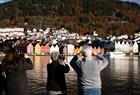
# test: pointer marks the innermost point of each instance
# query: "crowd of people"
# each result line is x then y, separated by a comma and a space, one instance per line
88, 64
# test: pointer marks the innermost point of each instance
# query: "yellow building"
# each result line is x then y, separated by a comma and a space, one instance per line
37, 49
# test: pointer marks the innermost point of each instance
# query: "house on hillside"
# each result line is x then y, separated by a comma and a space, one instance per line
75, 51
65, 50
30, 49
37, 49
45, 49
135, 47
70, 49
52, 48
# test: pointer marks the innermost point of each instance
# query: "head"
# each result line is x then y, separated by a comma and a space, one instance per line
61, 49
87, 51
54, 55
98, 48
11, 55
11, 60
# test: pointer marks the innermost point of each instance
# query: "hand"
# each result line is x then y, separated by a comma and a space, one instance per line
81, 57
79, 50
99, 50
26, 56
103, 51
95, 51
62, 62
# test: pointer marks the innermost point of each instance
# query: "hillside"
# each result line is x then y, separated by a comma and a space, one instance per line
107, 17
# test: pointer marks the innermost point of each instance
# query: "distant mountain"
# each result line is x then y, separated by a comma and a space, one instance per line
136, 1
107, 17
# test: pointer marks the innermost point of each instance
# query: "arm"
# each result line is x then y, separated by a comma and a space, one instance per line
63, 65
74, 64
30, 64
64, 68
27, 64
1, 68
103, 62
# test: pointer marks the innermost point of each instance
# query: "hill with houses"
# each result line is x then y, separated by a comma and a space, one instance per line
107, 17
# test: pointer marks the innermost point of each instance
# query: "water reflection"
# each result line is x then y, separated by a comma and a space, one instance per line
38, 76
121, 77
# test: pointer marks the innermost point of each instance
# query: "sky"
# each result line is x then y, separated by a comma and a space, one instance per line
3, 1
137, 1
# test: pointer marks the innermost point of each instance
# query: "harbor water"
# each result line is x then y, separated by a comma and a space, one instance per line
121, 77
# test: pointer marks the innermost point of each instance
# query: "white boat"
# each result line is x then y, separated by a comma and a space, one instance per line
117, 54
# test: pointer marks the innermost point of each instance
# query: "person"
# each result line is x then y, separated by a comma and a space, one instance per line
62, 52
88, 68
15, 67
2, 82
56, 84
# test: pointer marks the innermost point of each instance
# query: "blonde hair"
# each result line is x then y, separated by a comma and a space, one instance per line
84, 48
54, 55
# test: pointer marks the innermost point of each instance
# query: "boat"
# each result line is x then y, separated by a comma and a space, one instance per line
116, 54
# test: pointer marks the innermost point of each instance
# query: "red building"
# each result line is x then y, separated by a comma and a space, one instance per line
45, 49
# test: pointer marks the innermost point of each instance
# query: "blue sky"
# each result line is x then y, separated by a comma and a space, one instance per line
3, 1
137, 1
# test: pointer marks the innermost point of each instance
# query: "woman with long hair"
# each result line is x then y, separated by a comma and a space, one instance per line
15, 67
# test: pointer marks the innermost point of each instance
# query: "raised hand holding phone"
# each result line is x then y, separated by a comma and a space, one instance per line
26, 56
95, 51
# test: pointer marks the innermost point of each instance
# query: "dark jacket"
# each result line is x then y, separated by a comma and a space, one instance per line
17, 81
2, 83
56, 76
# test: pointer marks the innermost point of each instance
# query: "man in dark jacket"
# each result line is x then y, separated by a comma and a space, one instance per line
56, 84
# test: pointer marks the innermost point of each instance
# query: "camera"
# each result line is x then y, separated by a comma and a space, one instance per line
62, 57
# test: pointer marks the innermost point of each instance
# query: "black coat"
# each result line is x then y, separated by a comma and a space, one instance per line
17, 81
56, 76
2, 83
